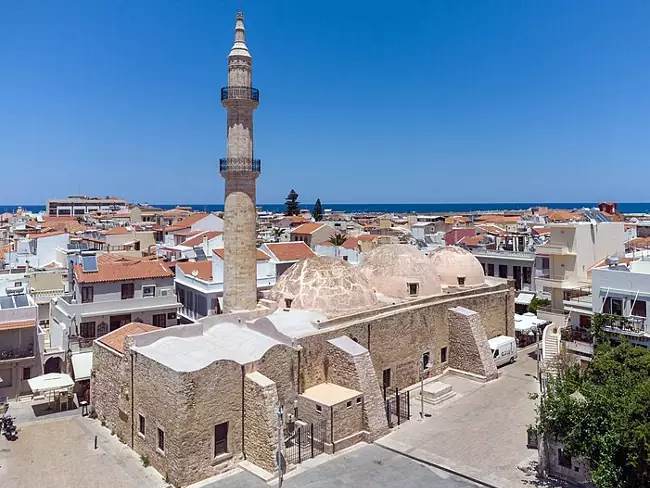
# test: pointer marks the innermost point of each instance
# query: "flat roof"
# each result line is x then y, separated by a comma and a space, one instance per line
330, 394
222, 341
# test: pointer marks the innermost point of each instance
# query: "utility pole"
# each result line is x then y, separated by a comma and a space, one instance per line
278, 455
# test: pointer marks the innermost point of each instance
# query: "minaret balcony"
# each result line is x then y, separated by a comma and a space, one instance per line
240, 165
240, 93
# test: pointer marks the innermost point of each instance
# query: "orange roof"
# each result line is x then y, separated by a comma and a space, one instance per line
202, 268
306, 229
639, 242
353, 242
115, 231
491, 229
261, 255
471, 241
622, 260
191, 219
198, 240
19, 324
499, 219
188, 233
290, 251
122, 269
115, 339
564, 216
457, 219
49, 233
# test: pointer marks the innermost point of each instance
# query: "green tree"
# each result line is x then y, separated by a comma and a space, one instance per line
317, 213
277, 233
338, 239
602, 413
292, 204
535, 303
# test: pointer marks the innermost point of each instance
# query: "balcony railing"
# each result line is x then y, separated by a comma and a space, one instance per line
16, 353
114, 307
504, 254
240, 93
240, 165
631, 324
571, 335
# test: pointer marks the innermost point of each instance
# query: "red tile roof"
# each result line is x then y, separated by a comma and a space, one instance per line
307, 229
198, 239
261, 255
18, 324
188, 221
115, 339
290, 251
353, 242
203, 269
498, 219
120, 268
472, 241
49, 233
491, 229
115, 231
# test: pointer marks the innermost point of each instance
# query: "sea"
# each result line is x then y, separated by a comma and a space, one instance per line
399, 208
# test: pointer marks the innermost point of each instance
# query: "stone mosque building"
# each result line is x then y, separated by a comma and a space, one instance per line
323, 342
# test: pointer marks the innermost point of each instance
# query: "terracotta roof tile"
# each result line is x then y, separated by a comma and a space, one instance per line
307, 229
116, 231
564, 216
49, 233
203, 269
491, 229
18, 324
261, 255
121, 268
353, 242
198, 239
499, 219
290, 251
115, 339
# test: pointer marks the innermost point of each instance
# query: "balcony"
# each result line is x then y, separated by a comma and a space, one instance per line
240, 93
554, 250
578, 341
499, 253
240, 165
558, 317
10, 353
115, 307
632, 325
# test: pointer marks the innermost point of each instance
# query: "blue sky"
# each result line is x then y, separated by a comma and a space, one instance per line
361, 101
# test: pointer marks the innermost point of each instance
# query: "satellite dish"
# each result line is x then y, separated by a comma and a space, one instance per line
195, 272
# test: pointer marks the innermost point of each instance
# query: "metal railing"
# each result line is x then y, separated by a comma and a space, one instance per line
240, 165
504, 253
572, 335
631, 323
240, 93
16, 353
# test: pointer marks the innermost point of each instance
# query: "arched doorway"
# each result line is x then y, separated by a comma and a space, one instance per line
53, 365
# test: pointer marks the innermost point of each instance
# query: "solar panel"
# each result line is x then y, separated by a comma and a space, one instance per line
89, 264
6, 302
200, 254
21, 300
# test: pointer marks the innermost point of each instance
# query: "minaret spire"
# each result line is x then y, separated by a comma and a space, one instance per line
240, 169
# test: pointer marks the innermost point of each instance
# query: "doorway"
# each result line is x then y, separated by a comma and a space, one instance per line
118, 321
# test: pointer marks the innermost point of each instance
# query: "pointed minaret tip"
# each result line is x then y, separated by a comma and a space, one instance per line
239, 48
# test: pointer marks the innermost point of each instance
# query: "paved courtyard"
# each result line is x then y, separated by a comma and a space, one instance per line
60, 452
363, 466
481, 432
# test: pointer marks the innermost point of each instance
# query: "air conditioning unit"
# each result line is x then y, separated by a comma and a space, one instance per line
164, 293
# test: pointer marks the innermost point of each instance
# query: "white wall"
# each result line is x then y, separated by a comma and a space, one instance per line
210, 222
620, 284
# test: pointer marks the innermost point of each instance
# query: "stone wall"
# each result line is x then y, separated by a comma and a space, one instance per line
280, 364
469, 350
577, 473
260, 420
348, 419
398, 336
353, 369
106, 385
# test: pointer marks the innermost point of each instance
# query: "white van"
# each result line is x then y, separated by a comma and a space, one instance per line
504, 349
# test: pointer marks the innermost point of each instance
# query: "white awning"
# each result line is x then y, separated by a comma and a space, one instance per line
524, 298
82, 363
527, 322
50, 382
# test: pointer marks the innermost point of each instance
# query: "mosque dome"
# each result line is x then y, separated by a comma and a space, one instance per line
456, 267
400, 271
324, 284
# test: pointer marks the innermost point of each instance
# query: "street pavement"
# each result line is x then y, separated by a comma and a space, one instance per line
481, 432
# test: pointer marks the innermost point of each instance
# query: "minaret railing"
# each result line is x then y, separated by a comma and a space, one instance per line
240, 93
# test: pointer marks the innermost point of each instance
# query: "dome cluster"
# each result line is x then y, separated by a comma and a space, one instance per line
334, 287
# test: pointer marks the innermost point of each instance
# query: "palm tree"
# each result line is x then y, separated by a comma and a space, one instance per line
338, 240
277, 233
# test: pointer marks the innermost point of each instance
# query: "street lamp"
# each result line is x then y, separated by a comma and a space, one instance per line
278, 457
423, 369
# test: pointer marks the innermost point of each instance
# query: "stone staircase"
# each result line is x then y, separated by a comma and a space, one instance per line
437, 392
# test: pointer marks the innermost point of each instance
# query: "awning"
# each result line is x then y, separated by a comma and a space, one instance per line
50, 382
82, 363
524, 298
527, 322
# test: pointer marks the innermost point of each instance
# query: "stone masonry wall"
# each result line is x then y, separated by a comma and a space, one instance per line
357, 373
260, 420
105, 384
280, 364
469, 350
397, 338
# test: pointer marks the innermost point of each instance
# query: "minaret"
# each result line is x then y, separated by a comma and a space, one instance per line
240, 169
